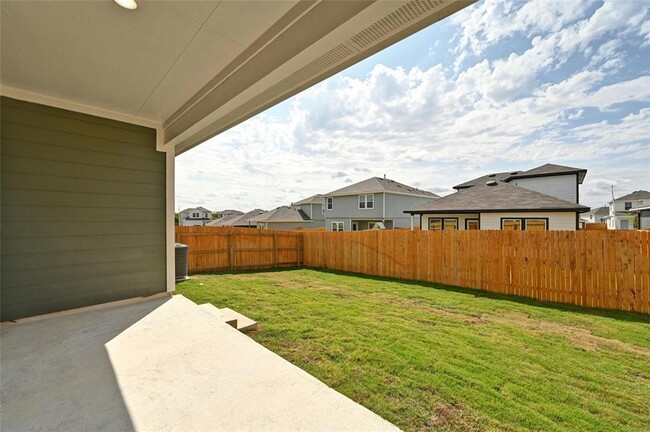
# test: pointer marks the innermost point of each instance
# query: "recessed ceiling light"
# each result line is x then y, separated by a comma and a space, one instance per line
127, 4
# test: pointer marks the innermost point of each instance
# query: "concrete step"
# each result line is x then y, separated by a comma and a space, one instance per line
243, 323
215, 312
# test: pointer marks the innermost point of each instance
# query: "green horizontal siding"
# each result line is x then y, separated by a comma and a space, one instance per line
82, 211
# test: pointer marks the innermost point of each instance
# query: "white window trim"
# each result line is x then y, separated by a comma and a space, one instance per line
365, 201
337, 223
329, 201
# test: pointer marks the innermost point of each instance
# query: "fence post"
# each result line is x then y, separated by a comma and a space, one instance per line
231, 253
275, 249
298, 249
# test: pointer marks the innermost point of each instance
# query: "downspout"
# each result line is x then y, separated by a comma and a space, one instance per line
412, 228
383, 214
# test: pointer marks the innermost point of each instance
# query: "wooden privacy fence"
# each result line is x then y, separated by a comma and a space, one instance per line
603, 269
228, 249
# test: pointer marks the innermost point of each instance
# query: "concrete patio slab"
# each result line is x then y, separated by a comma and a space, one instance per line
160, 365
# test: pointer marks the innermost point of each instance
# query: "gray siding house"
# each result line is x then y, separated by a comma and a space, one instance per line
357, 207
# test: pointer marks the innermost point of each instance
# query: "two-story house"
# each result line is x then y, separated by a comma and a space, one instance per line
241, 220
371, 203
197, 216
630, 211
543, 198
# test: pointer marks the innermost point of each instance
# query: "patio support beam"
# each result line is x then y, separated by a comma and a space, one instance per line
170, 228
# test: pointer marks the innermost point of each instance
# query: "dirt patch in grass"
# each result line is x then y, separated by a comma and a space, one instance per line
450, 417
580, 338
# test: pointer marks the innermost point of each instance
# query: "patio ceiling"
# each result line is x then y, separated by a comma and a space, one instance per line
192, 69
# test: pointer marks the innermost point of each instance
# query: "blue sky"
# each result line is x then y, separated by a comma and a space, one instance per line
502, 85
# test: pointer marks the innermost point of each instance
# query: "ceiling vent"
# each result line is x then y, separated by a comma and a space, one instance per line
491, 183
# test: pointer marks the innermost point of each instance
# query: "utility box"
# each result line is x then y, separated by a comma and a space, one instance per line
182, 258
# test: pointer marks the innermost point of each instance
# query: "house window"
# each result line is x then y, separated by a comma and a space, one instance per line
366, 201
471, 224
337, 226
435, 224
536, 224
355, 226
511, 224
450, 225
628, 205
195, 215
206, 214
330, 203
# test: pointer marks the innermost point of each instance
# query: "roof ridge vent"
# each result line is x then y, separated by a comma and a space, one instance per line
514, 172
491, 183
492, 175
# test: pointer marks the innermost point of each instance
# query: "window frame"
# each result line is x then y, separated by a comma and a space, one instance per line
365, 201
625, 205
442, 223
329, 203
478, 224
342, 225
523, 221
526, 220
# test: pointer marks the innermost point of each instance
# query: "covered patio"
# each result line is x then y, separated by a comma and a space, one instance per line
96, 102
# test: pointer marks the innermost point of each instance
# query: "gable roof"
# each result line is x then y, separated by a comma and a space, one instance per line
283, 214
380, 185
314, 199
598, 212
486, 178
550, 170
241, 220
195, 208
230, 212
540, 171
636, 195
500, 197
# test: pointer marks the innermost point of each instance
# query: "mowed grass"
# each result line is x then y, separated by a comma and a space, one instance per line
430, 357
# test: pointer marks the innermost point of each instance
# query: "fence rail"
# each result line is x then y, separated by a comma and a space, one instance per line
594, 268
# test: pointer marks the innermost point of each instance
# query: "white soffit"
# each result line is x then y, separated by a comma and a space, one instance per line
194, 68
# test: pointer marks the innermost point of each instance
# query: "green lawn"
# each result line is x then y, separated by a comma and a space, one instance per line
432, 357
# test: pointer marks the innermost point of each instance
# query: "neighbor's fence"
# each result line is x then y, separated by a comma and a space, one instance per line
604, 269
228, 249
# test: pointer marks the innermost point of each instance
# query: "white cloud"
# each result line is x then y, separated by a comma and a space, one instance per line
434, 128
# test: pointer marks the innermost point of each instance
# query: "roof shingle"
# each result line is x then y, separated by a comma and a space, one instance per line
380, 185
500, 197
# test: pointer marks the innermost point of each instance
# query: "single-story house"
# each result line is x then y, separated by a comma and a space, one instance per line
498, 205
245, 220
285, 217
